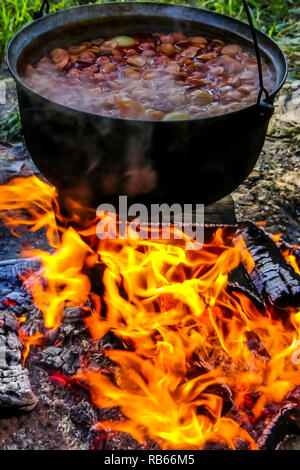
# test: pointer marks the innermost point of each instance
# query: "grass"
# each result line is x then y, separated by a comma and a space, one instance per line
274, 17
10, 128
16, 13
287, 130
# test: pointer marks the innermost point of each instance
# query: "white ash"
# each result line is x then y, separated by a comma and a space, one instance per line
15, 388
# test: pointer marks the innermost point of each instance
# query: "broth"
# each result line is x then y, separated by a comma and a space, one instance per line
154, 77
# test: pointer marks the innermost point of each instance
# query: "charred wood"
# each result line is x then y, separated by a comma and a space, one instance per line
279, 420
83, 415
240, 281
274, 278
75, 314
255, 345
65, 360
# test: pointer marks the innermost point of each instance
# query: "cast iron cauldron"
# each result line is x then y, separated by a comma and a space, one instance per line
93, 158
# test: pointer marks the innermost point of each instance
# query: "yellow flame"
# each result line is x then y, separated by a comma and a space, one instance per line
185, 336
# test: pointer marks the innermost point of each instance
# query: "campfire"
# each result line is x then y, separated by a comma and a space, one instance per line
181, 349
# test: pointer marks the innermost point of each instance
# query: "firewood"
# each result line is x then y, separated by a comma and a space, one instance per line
279, 420
274, 278
240, 281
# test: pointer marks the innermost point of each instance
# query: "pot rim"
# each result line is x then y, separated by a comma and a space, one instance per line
254, 106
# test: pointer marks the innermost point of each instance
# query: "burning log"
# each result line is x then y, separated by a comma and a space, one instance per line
277, 420
280, 420
240, 281
274, 278
282, 424
157, 313
15, 389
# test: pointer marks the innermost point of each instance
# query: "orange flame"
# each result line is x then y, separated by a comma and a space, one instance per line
27, 202
65, 285
291, 259
185, 336
29, 340
288, 253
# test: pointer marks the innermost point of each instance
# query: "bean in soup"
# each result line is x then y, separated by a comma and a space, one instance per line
156, 77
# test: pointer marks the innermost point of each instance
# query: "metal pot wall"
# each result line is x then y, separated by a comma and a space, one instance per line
93, 158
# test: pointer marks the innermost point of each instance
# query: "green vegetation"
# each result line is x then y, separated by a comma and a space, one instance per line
278, 18
10, 128
16, 13
288, 130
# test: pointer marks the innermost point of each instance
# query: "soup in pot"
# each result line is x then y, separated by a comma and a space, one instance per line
155, 77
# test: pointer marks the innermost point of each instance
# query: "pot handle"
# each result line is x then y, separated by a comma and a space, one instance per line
264, 104
41, 12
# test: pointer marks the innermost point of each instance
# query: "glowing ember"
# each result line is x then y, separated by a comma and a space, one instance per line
185, 337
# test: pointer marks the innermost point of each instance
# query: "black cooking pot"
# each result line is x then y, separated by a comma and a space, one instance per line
94, 158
